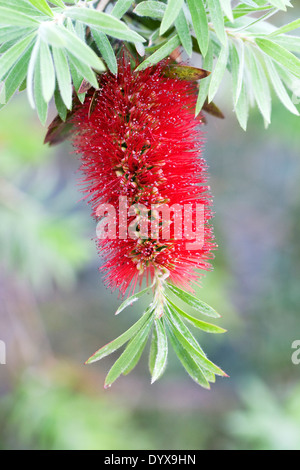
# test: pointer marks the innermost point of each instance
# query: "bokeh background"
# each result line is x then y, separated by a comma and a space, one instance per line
55, 311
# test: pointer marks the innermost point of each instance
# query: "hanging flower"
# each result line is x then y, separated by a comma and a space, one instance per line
139, 139
146, 181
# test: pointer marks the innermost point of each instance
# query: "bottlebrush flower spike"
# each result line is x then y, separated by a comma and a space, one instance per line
146, 181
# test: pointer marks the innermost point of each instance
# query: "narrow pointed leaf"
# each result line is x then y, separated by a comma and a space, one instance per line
15, 18
121, 340
60, 106
286, 28
153, 351
170, 15
212, 108
63, 75
192, 301
106, 23
188, 362
217, 19
218, 73
43, 6
58, 3
194, 352
133, 298
226, 6
183, 30
17, 75
129, 354
204, 326
150, 8
10, 57
84, 70
242, 107
47, 72
280, 54
30, 72
120, 8
161, 53
105, 50
140, 348
260, 85
162, 350
200, 23
40, 102
279, 87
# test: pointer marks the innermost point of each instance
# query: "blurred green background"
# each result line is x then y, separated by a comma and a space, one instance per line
55, 311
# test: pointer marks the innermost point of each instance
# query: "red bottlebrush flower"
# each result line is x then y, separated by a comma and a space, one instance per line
139, 140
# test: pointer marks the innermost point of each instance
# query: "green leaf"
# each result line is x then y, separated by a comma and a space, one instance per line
237, 61
226, 7
242, 107
15, 18
216, 14
200, 23
121, 7
43, 6
181, 326
17, 74
204, 326
280, 54
106, 23
106, 50
140, 348
279, 87
193, 302
188, 362
63, 75
130, 300
260, 85
84, 70
194, 352
77, 79
50, 33
204, 84
170, 15
161, 53
151, 9
60, 106
47, 72
153, 351
160, 360
80, 50
218, 73
10, 57
30, 72
40, 103
10, 33
129, 354
292, 43
280, 4
286, 28
183, 31
121, 340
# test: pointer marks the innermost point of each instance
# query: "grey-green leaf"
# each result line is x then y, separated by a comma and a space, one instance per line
260, 85
106, 50
10, 57
200, 23
121, 7
192, 301
133, 298
40, 103
120, 341
43, 6
170, 15
242, 107
15, 18
17, 74
63, 75
183, 31
151, 9
204, 84
218, 73
84, 70
280, 54
106, 23
217, 19
47, 72
161, 53
204, 326
188, 362
160, 361
129, 354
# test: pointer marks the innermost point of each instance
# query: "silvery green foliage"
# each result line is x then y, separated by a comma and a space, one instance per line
54, 47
